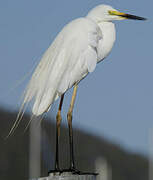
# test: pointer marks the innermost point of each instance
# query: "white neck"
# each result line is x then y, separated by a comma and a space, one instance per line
108, 39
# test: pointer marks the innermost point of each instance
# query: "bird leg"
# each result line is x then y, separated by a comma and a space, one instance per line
69, 119
58, 124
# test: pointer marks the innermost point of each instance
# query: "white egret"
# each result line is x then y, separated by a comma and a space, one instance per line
74, 54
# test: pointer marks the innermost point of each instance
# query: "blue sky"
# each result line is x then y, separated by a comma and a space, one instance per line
116, 100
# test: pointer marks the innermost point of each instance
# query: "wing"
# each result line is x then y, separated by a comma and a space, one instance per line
71, 56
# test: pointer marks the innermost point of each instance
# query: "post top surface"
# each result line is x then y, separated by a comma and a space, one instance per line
67, 176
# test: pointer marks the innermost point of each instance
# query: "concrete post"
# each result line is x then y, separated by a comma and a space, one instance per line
67, 176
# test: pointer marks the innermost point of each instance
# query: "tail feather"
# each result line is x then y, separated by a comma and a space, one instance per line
43, 86
18, 120
47, 92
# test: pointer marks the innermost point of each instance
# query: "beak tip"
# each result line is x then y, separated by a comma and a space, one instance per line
129, 16
141, 19
145, 19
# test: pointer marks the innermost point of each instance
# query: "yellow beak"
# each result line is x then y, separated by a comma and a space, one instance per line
126, 16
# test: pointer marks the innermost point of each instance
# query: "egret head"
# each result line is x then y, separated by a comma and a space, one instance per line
107, 13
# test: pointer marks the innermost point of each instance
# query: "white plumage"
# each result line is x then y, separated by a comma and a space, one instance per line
65, 62
73, 54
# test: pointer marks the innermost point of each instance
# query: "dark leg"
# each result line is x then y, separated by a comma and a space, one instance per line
72, 167
58, 123
69, 118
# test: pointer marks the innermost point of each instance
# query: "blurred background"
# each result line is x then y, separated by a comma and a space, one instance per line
113, 111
